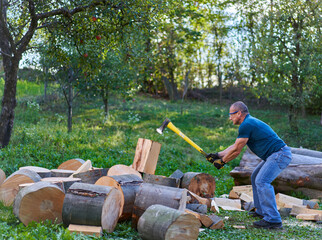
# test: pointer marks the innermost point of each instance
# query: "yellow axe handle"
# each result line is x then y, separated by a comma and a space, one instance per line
188, 140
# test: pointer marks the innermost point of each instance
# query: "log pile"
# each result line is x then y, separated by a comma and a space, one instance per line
304, 174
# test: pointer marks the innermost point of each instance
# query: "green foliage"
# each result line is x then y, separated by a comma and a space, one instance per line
40, 139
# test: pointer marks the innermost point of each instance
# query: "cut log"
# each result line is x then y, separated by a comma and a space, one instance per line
150, 194
199, 208
177, 174
63, 183
282, 200
39, 202
146, 156
304, 174
10, 187
86, 230
214, 207
42, 172
2, 176
84, 168
161, 180
72, 164
194, 198
93, 205
121, 169
23, 185
233, 195
160, 222
217, 222
306, 152
91, 176
296, 210
128, 185
309, 217
61, 172
202, 184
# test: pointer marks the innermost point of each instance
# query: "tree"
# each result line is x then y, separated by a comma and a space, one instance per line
21, 20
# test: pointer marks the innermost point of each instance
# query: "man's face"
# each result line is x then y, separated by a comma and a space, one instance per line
235, 116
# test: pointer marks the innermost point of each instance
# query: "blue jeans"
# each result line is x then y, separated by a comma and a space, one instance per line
262, 177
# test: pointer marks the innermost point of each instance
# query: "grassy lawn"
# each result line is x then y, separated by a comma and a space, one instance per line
40, 138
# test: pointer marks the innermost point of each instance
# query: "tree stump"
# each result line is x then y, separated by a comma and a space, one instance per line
72, 164
92, 205
63, 183
128, 185
10, 187
121, 169
161, 180
39, 202
61, 172
2, 176
91, 176
202, 184
159, 222
42, 172
150, 194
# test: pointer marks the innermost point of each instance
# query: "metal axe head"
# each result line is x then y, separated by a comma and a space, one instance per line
163, 126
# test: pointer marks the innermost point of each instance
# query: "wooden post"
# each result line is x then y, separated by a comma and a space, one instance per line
93, 205
39, 202
10, 187
146, 156
72, 164
159, 222
150, 194
160, 180
202, 184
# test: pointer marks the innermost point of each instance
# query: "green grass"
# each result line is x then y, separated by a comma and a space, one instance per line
40, 138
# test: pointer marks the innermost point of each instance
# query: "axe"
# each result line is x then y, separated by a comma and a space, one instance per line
167, 123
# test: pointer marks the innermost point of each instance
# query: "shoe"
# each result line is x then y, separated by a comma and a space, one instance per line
255, 214
267, 225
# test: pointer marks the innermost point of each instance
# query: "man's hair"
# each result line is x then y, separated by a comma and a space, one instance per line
240, 106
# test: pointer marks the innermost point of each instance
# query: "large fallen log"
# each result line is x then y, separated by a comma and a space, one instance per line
92, 205
159, 222
10, 187
304, 174
2, 176
202, 184
39, 202
128, 185
150, 194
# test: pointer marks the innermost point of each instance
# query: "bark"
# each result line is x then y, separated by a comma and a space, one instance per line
105, 101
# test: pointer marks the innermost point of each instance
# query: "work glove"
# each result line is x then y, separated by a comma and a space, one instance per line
215, 160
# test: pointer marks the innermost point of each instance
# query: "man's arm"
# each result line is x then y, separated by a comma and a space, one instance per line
234, 150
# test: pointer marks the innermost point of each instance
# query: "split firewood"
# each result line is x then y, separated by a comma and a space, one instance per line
121, 169
207, 220
61, 172
146, 156
39, 202
285, 212
86, 230
159, 222
93, 205
161, 180
92, 175
177, 174
197, 199
296, 210
239, 226
150, 194
128, 185
10, 187
63, 183
228, 204
2, 176
283, 200
72, 164
214, 207
42, 172
248, 206
245, 197
202, 184
233, 195
217, 222
83, 168
199, 208
23, 185
248, 189
309, 217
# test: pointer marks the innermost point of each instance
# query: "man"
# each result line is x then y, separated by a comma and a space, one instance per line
276, 156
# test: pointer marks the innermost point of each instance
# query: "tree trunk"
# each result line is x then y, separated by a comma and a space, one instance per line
105, 101
70, 100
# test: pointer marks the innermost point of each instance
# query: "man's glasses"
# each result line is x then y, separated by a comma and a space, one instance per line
233, 113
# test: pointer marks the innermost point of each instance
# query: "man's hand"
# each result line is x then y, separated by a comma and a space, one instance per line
215, 160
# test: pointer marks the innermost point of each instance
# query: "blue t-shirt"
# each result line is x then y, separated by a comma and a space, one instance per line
262, 140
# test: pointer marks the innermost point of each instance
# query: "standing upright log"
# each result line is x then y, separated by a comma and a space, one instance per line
72, 164
39, 202
150, 194
159, 222
2, 176
128, 185
202, 184
146, 156
42, 172
93, 205
10, 187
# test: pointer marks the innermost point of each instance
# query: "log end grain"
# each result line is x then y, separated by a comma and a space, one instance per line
72, 164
